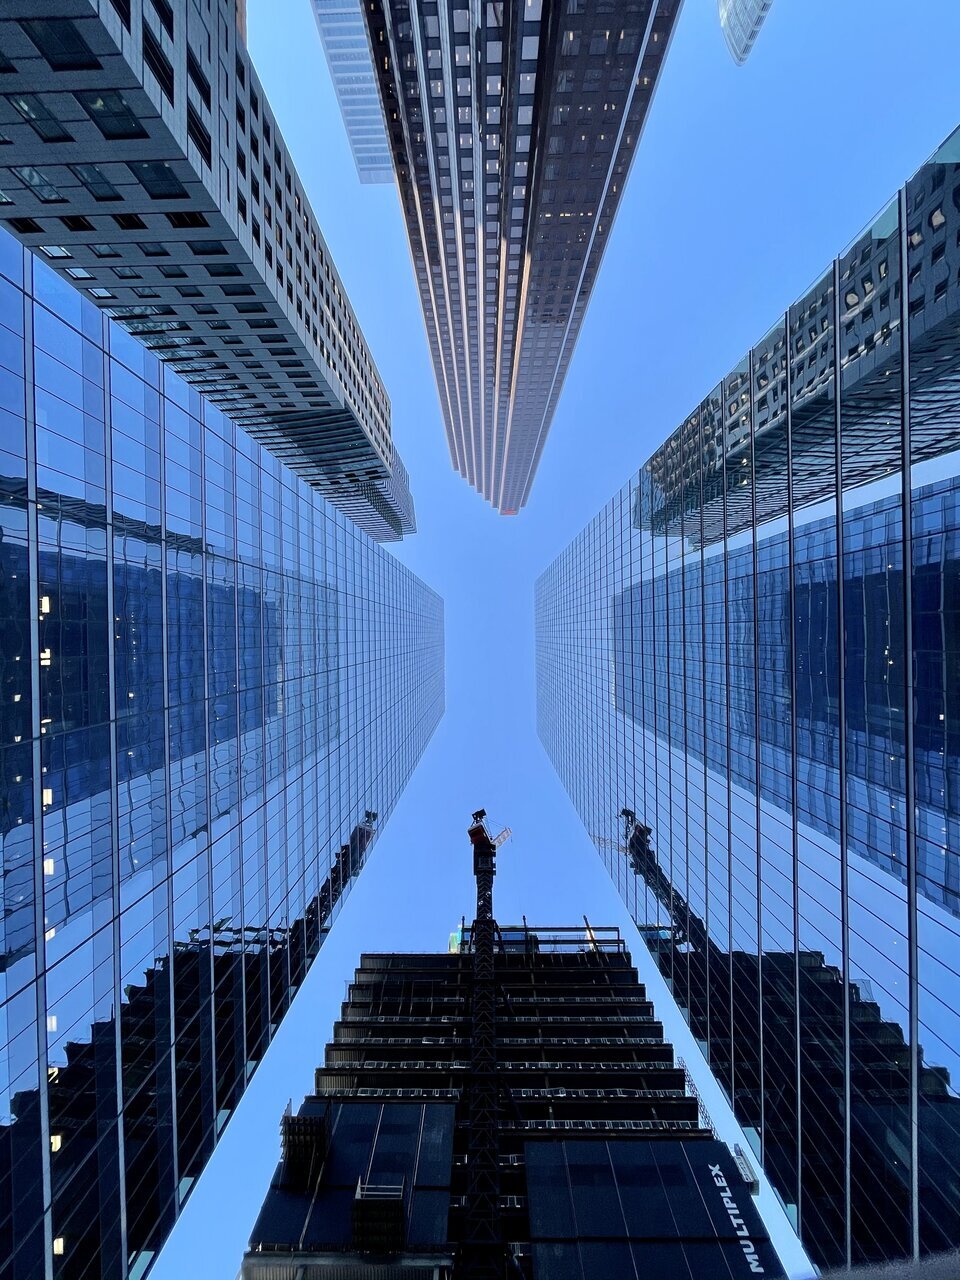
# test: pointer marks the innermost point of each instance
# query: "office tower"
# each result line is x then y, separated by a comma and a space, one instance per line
512, 128
740, 21
507, 1108
145, 165
746, 681
343, 33
214, 688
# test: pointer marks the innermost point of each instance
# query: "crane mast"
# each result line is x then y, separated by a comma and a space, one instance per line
483, 1254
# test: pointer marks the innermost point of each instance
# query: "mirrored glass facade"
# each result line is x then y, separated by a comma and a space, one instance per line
343, 33
740, 21
213, 688
748, 683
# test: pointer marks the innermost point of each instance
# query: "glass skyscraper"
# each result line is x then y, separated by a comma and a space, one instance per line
213, 688
748, 682
343, 33
513, 128
740, 21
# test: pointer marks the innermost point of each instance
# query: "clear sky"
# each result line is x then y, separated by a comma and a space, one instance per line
746, 183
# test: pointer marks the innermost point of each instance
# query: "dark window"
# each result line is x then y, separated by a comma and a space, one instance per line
42, 122
94, 181
109, 112
200, 81
217, 269
198, 134
153, 250
25, 226
158, 180
187, 219
158, 62
123, 11
75, 222
61, 44
105, 251
129, 222
204, 248
172, 273
165, 13
35, 181
126, 273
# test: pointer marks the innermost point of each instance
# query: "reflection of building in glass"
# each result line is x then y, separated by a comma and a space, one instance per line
344, 36
172, 202
604, 1161
741, 21
804, 1003
512, 129
213, 688
754, 649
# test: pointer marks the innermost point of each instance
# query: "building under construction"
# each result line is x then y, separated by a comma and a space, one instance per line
506, 1109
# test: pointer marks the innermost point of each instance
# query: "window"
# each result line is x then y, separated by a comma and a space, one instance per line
129, 222
42, 122
122, 8
77, 223
187, 219
153, 250
109, 112
34, 180
158, 62
165, 13
61, 44
158, 180
94, 181
198, 133
204, 248
200, 81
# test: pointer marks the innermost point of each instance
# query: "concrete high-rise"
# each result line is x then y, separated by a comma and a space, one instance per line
145, 166
512, 128
214, 689
521, 1118
746, 681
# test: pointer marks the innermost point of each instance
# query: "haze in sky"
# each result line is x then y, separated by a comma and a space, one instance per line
747, 182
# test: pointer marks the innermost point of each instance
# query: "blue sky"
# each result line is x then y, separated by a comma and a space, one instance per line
746, 183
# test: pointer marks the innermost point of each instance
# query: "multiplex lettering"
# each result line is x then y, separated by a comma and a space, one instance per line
738, 1224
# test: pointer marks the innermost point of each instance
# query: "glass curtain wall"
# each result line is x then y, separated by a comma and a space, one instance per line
213, 689
748, 683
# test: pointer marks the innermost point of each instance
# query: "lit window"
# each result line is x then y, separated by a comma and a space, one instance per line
42, 122
110, 113
158, 180
34, 180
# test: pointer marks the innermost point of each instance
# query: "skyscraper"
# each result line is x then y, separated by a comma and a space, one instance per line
519, 1116
145, 165
347, 50
512, 129
746, 681
214, 689
740, 21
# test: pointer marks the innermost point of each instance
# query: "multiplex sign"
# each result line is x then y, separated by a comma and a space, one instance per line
749, 1249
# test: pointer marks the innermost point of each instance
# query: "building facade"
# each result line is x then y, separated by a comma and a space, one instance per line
214, 688
512, 129
144, 164
346, 47
740, 22
606, 1167
747, 682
